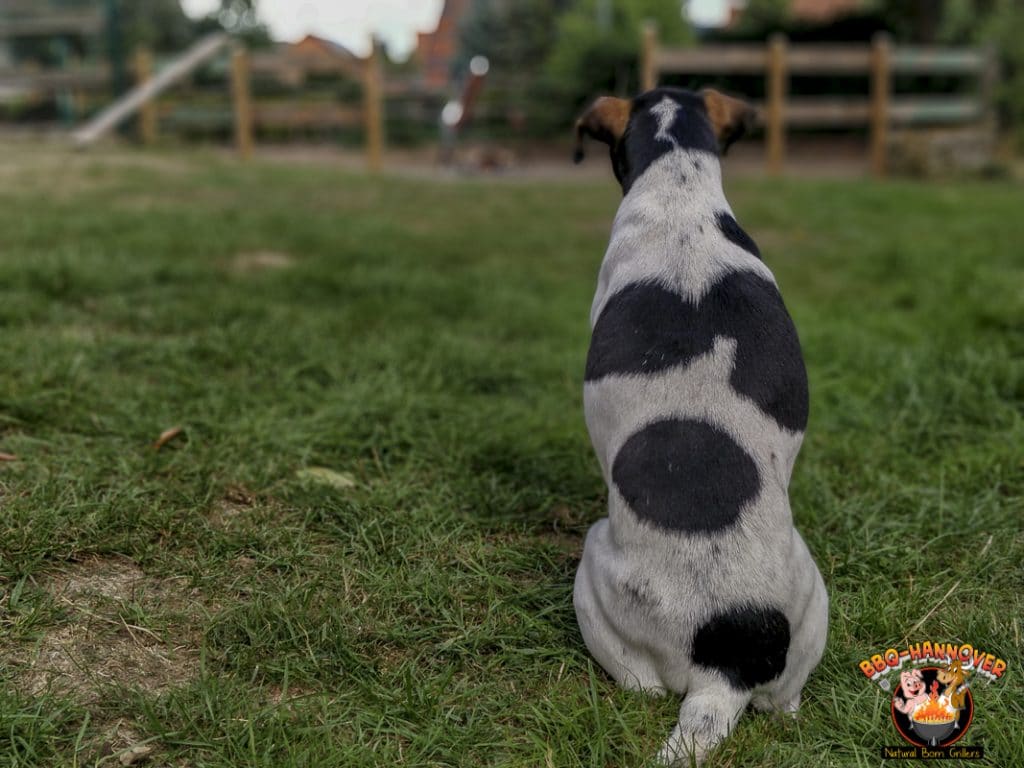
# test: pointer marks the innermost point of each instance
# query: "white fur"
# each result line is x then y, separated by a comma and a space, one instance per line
666, 111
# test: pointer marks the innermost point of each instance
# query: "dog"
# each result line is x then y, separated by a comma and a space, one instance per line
696, 401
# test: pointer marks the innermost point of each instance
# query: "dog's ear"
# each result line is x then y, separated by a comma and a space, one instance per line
731, 118
605, 121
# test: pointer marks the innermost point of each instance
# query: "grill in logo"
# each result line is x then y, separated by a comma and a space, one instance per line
932, 707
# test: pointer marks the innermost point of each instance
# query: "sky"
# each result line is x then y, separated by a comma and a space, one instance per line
350, 22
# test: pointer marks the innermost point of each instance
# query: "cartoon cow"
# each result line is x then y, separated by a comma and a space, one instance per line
953, 677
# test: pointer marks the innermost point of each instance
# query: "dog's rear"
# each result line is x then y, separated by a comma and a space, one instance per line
696, 403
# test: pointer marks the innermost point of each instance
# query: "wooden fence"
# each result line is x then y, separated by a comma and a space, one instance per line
81, 87
248, 114
72, 80
879, 109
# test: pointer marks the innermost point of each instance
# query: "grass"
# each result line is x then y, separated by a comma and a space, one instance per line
425, 341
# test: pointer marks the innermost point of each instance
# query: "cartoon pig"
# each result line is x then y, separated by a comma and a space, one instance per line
912, 687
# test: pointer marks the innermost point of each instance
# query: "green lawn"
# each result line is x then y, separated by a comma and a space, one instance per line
424, 342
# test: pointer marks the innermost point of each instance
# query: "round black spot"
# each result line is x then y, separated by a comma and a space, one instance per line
685, 475
747, 644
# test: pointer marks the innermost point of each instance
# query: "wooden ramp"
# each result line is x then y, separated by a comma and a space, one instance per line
138, 97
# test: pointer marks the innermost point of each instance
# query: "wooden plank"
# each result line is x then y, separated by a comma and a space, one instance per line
294, 68
921, 60
881, 88
306, 115
922, 110
373, 110
131, 102
241, 96
829, 59
649, 57
712, 60
52, 24
775, 109
278, 66
328, 65
93, 77
827, 112
988, 87
147, 114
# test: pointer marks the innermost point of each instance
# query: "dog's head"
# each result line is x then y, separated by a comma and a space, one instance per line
639, 131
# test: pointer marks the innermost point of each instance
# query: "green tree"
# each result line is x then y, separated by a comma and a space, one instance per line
764, 16
159, 25
999, 24
515, 35
598, 44
239, 18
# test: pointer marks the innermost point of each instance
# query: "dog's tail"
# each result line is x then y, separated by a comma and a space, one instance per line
705, 718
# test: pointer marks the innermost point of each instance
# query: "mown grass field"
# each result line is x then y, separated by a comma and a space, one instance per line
360, 549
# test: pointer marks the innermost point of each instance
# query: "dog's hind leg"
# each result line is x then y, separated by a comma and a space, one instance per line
708, 713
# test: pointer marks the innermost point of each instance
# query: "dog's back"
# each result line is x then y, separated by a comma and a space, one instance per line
696, 401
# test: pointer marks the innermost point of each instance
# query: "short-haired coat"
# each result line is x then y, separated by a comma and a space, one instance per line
696, 402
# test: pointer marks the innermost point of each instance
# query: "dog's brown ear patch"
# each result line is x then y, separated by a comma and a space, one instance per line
730, 117
605, 121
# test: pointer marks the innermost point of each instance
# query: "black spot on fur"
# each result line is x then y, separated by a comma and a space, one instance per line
748, 645
638, 148
685, 475
645, 328
735, 234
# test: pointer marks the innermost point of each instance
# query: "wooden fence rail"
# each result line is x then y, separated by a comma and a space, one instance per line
879, 109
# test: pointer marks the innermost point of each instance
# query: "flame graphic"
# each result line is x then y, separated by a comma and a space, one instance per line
934, 711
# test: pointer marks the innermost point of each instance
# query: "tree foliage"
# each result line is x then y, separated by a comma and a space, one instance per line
999, 24
591, 58
515, 35
550, 56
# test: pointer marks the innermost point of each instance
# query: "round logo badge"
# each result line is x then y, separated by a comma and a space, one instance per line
932, 707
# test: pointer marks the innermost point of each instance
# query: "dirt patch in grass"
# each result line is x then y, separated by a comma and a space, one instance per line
236, 510
260, 261
122, 628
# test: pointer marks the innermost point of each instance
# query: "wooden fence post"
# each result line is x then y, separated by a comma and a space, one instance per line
649, 57
373, 109
147, 113
241, 91
989, 93
775, 107
881, 88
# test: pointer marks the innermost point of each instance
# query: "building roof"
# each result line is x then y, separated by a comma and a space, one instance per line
822, 11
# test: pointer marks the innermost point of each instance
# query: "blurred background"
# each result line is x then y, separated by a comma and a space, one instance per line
845, 86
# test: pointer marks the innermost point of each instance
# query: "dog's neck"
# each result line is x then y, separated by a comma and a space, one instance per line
683, 183
667, 230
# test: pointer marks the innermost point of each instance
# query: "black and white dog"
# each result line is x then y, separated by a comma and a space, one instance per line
696, 402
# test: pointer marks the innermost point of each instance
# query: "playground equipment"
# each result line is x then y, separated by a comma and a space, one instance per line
880, 62
142, 94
